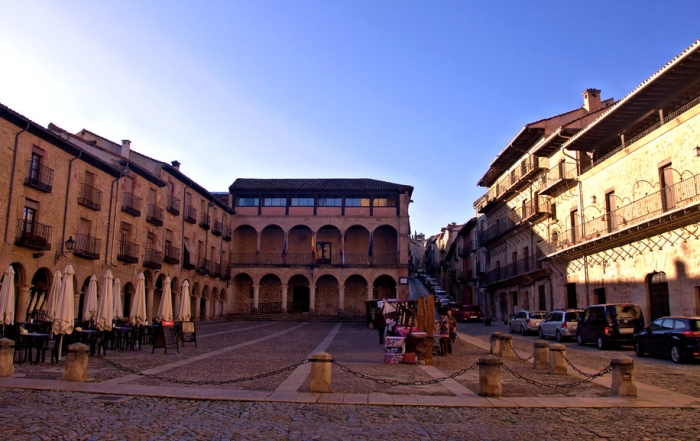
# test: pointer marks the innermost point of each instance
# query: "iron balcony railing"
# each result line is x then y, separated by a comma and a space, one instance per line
128, 251
90, 197
171, 254
190, 214
87, 247
380, 259
561, 175
203, 266
519, 177
189, 261
154, 215
173, 205
204, 221
153, 258
33, 235
519, 267
216, 228
40, 177
226, 234
132, 204
215, 270
680, 195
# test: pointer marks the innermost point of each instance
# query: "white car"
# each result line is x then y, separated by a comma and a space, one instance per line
560, 324
526, 321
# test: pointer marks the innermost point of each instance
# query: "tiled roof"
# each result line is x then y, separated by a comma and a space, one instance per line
315, 184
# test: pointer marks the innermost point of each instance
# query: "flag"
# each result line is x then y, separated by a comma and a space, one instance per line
284, 248
342, 252
371, 245
313, 245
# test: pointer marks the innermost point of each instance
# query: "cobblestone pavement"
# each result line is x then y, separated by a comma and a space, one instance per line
230, 350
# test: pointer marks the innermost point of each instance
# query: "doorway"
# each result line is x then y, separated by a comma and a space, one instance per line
300, 299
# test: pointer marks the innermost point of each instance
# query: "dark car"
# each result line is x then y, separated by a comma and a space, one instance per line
610, 323
678, 337
467, 313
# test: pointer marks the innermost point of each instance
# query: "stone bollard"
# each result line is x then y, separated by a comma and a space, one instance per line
321, 372
490, 376
76, 363
7, 355
557, 363
496, 343
507, 346
623, 377
541, 360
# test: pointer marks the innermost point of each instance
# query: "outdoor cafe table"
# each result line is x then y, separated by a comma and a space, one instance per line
88, 337
34, 340
123, 336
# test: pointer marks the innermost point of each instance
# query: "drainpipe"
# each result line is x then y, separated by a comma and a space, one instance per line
122, 172
182, 233
12, 182
65, 207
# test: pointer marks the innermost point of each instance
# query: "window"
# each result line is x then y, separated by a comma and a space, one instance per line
330, 202
302, 202
357, 202
275, 202
35, 165
248, 202
380, 202
29, 217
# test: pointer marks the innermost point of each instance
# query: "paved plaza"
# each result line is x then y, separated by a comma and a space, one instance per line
198, 393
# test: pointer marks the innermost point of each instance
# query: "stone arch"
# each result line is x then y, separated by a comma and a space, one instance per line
299, 245
328, 242
385, 240
384, 286
327, 302
128, 291
39, 290
244, 239
355, 294
81, 298
356, 245
242, 287
298, 294
158, 294
270, 294
271, 244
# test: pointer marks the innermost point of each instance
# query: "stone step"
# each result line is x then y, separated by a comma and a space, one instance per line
296, 318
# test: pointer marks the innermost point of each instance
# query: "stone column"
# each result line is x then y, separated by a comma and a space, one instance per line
370, 292
496, 343
490, 376
256, 298
149, 305
341, 299
207, 309
76, 363
7, 355
507, 346
285, 288
623, 377
195, 304
321, 372
23, 302
312, 299
541, 359
557, 364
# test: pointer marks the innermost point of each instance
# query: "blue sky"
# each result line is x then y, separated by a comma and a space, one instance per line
414, 92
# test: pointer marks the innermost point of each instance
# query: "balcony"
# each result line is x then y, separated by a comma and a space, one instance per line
189, 261
40, 177
203, 266
154, 215
384, 259
226, 235
190, 214
226, 274
499, 228
657, 212
87, 247
514, 181
173, 206
153, 258
90, 197
132, 204
128, 252
204, 221
535, 210
558, 179
522, 272
33, 235
171, 255
215, 270
217, 228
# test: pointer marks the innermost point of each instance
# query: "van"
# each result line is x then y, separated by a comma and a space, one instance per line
610, 323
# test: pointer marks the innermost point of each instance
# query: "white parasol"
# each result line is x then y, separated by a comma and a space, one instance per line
165, 309
65, 314
90, 301
104, 314
7, 297
184, 313
137, 313
117, 309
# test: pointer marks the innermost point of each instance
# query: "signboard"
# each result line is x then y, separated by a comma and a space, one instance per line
166, 337
189, 333
403, 280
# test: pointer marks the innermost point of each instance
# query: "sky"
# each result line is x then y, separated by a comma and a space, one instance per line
420, 93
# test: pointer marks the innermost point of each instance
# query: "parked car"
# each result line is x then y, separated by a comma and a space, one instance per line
467, 313
608, 323
676, 336
526, 321
560, 324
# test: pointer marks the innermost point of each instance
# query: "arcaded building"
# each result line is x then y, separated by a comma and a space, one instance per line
321, 246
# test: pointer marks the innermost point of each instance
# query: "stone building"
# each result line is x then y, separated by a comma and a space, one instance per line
321, 246
120, 210
600, 204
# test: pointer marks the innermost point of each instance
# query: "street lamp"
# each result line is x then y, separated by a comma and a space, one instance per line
70, 244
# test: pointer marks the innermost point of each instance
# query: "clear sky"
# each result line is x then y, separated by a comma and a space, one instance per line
422, 93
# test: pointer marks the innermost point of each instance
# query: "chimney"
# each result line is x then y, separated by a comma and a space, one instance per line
126, 148
591, 100
176, 165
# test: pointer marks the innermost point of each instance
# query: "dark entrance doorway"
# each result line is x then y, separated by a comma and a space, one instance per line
300, 299
571, 298
658, 296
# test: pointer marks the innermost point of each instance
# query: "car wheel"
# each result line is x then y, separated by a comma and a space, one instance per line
579, 340
510, 328
522, 330
559, 337
638, 349
600, 342
676, 354
541, 334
